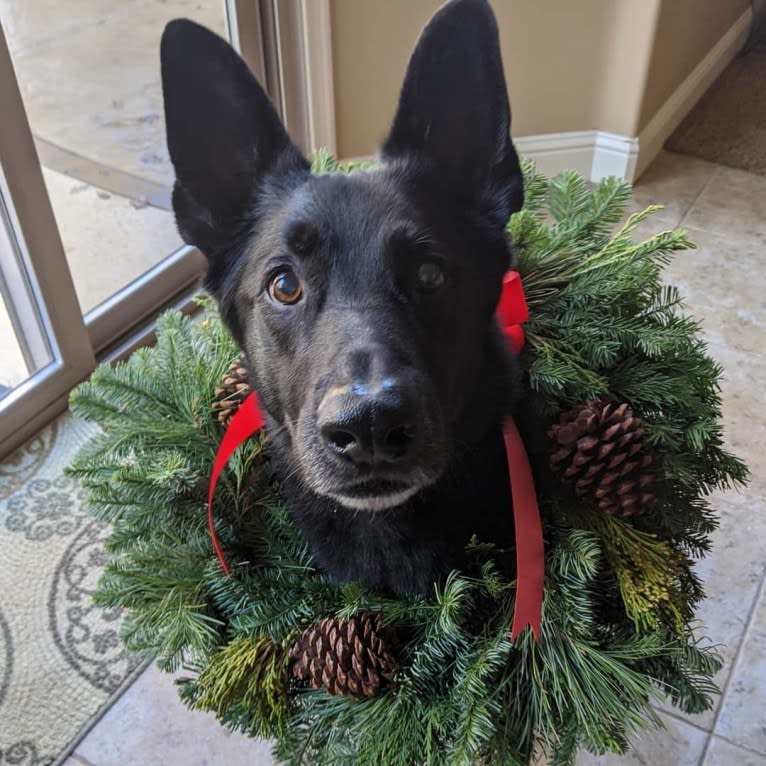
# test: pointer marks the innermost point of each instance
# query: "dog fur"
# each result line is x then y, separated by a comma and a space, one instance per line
386, 381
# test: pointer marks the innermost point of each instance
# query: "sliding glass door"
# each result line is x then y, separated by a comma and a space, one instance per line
88, 245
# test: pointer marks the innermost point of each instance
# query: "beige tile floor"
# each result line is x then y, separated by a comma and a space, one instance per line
725, 213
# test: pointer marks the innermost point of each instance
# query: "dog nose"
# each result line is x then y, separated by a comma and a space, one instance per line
369, 431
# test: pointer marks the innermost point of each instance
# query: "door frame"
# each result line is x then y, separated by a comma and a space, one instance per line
293, 63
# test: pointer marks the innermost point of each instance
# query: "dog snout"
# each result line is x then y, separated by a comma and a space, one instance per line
370, 429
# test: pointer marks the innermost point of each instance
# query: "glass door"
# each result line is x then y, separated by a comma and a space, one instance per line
88, 244
44, 344
89, 76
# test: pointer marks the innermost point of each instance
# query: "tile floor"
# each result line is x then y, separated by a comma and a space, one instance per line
725, 213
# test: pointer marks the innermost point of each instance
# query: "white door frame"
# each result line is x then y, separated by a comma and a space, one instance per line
293, 61
320, 89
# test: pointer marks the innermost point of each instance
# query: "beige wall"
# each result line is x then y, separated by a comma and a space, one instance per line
569, 65
572, 65
625, 64
371, 42
686, 31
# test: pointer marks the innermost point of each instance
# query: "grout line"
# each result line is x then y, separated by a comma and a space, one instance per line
741, 746
679, 716
95, 719
705, 748
702, 190
81, 759
734, 667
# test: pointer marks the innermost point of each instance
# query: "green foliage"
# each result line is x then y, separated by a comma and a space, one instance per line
619, 597
648, 572
247, 680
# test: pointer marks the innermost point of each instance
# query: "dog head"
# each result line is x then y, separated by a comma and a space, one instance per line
363, 301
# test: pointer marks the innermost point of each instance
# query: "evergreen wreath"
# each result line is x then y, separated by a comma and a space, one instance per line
345, 675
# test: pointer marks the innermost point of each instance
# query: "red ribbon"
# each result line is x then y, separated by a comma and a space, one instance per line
511, 312
247, 420
530, 554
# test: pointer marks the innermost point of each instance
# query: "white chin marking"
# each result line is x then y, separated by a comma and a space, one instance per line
375, 502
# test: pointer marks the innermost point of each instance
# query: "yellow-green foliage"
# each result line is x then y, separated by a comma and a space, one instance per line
248, 673
647, 570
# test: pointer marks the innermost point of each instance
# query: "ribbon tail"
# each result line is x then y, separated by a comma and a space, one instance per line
247, 420
530, 553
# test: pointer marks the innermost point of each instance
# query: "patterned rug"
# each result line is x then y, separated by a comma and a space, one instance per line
61, 662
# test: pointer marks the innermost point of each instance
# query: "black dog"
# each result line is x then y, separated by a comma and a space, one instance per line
365, 302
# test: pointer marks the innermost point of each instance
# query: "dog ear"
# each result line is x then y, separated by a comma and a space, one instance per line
453, 118
223, 134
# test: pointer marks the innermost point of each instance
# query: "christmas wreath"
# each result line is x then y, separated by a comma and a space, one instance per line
343, 675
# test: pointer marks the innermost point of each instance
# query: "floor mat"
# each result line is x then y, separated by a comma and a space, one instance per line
61, 662
728, 125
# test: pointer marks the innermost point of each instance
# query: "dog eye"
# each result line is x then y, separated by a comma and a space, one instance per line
430, 276
285, 287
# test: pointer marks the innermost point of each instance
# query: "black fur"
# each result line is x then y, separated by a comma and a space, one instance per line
377, 383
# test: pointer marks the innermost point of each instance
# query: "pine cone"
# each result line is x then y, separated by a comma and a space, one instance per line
600, 450
232, 392
354, 658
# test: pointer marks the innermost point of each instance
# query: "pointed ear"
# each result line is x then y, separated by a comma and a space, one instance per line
453, 119
224, 136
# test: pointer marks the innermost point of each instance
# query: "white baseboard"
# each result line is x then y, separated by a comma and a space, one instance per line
593, 153
668, 117
614, 155
552, 152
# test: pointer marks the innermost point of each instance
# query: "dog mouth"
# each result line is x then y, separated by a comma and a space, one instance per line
374, 494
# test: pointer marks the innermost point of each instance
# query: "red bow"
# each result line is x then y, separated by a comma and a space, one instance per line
511, 312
